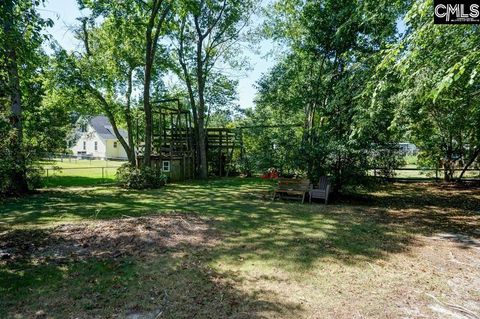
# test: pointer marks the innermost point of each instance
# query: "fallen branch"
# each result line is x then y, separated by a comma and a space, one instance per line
164, 303
470, 314
371, 266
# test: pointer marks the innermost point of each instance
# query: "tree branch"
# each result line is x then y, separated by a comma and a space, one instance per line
85, 36
111, 118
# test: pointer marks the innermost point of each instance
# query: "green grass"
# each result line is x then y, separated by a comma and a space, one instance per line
73, 172
80, 163
411, 160
274, 259
415, 171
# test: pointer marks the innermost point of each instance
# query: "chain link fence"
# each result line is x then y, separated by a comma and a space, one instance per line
68, 170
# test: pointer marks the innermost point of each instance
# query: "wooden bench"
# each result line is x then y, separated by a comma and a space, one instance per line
291, 189
321, 191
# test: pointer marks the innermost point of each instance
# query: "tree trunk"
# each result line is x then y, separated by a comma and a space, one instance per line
19, 170
128, 117
151, 46
202, 147
111, 118
146, 99
203, 169
470, 162
448, 170
188, 82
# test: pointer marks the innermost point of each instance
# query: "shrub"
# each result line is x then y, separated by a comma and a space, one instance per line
133, 177
35, 177
386, 160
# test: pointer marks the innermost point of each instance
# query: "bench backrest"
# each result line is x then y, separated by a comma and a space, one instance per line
323, 182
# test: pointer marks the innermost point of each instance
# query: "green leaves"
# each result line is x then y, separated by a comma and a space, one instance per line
436, 68
334, 49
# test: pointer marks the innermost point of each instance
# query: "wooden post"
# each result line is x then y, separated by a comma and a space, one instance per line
184, 167
241, 145
164, 125
171, 136
220, 150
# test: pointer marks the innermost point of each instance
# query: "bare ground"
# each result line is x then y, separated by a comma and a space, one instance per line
142, 237
439, 277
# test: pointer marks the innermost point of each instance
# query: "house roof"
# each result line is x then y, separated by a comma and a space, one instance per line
102, 126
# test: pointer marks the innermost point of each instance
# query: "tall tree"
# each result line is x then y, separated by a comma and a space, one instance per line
207, 35
332, 50
20, 43
120, 58
160, 9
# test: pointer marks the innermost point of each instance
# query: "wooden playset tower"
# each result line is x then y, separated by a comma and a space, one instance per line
174, 147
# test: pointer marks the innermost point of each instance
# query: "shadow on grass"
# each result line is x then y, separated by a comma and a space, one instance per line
65, 272
424, 208
291, 234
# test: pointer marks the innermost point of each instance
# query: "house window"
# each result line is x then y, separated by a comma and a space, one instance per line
114, 144
166, 166
96, 146
84, 145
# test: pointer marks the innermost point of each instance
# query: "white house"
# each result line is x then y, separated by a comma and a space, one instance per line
408, 148
95, 138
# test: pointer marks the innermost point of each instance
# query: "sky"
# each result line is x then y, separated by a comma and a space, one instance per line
64, 14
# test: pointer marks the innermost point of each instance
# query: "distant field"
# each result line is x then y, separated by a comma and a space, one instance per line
411, 160
413, 171
76, 163
418, 173
75, 172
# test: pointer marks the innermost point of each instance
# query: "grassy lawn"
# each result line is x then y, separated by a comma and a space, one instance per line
222, 249
76, 163
74, 172
411, 160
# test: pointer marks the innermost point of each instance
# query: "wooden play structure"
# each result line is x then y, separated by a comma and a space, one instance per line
174, 147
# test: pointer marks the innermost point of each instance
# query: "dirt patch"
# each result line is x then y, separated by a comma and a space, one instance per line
139, 237
437, 278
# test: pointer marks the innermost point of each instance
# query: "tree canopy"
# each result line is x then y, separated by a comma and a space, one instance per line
352, 79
